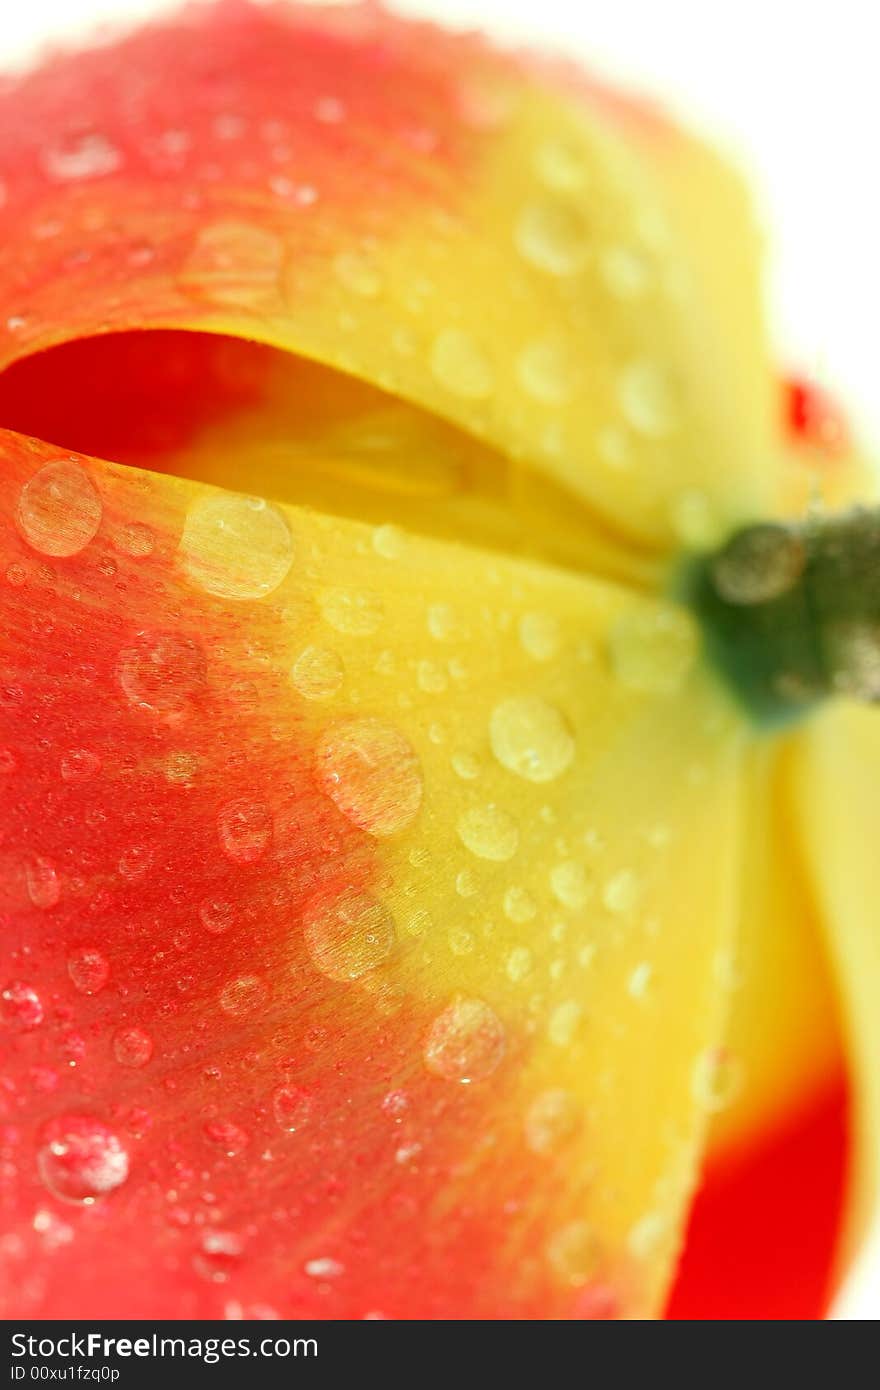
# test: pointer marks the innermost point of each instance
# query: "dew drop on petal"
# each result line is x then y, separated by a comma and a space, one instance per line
318, 673
531, 738
162, 673
356, 273
489, 832
561, 165
227, 1135
243, 995
356, 614
466, 1042
573, 1253
59, 510
21, 1006
519, 906
43, 884
79, 765
372, 773
291, 1107
551, 1119
89, 969
135, 539
348, 935
235, 547
716, 1079
81, 1159
216, 915
540, 636
86, 155
646, 398
460, 365
132, 1046
236, 264
552, 237
547, 370
218, 1256
244, 827
653, 647
570, 884
622, 892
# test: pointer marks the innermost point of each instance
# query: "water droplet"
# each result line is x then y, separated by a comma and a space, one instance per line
466, 766
357, 274
81, 1159
372, 773
569, 884
759, 564
43, 885
234, 263
489, 832
622, 892
245, 830
547, 369
561, 165
431, 678
135, 861
216, 915
21, 1006
717, 1079
219, 1255
324, 1268
624, 272
466, 1042
573, 1253
132, 1047
388, 541
135, 539
355, 614
318, 673
89, 969
235, 547
519, 964
519, 906
540, 635
646, 398
243, 995
652, 648
349, 935
564, 1023
552, 237
551, 1119
181, 767
292, 1107
461, 941
530, 738
443, 623
59, 510
163, 673
79, 765
227, 1135
460, 365
466, 884
86, 155
639, 981
696, 520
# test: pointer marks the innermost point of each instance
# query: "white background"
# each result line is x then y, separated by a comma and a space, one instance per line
791, 88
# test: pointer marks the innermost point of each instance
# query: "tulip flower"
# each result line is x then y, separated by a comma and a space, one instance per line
436, 865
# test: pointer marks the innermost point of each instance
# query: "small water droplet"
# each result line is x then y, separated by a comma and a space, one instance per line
85, 155
318, 673
132, 1046
372, 773
163, 673
444, 624
135, 861
489, 832
561, 165
292, 1107
519, 964
81, 1159
219, 1255
466, 766
244, 828
624, 272
547, 369
21, 1006
540, 635
466, 1042
59, 510
570, 884
573, 1253
357, 614
89, 969
519, 906
652, 648
235, 547
243, 995
460, 365
531, 738
717, 1079
324, 1268
551, 1119
564, 1023
79, 765
216, 915
227, 1135
355, 272
646, 398
552, 237
388, 541
622, 892
234, 263
135, 539
348, 935
43, 884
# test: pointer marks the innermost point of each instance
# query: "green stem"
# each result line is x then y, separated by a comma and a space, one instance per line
791, 613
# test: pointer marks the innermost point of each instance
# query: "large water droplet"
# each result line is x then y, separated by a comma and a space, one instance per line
81, 1159
89, 969
244, 827
489, 832
163, 673
531, 738
349, 935
59, 510
318, 673
235, 547
372, 773
460, 365
466, 1042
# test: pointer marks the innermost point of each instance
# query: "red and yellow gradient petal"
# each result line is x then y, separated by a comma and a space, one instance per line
334, 917
516, 251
